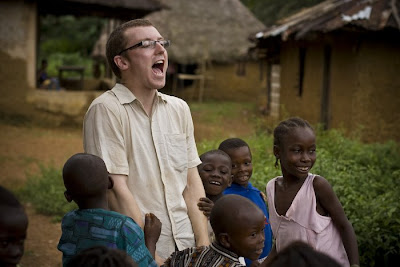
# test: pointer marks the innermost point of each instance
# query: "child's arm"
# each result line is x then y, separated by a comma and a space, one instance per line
330, 202
205, 205
152, 231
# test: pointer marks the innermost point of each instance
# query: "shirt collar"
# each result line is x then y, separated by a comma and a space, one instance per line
125, 96
227, 253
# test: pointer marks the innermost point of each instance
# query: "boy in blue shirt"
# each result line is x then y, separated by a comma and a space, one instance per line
93, 224
242, 169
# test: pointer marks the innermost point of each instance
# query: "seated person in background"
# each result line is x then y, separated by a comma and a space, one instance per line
13, 227
300, 254
43, 79
101, 256
242, 169
238, 226
215, 173
86, 181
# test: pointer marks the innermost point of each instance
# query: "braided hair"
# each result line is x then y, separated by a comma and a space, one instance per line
101, 256
284, 127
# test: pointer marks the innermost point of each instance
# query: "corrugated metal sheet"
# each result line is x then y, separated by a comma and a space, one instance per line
373, 15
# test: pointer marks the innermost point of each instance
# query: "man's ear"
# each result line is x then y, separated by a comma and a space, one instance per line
121, 62
67, 196
110, 182
224, 240
276, 151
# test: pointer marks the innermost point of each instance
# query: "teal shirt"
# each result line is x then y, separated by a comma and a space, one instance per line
85, 228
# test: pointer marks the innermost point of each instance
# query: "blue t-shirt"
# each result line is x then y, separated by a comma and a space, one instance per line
255, 196
85, 228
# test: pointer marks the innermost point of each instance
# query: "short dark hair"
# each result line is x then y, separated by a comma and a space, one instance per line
228, 209
8, 199
285, 126
117, 41
101, 256
232, 143
212, 152
85, 175
300, 254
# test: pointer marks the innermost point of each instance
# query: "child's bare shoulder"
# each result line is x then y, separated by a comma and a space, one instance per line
321, 184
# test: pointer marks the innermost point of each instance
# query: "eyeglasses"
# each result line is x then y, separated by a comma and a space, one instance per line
148, 44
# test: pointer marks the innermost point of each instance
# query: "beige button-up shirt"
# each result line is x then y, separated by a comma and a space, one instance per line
155, 152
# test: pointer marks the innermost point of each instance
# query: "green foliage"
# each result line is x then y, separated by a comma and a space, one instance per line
56, 60
46, 192
68, 40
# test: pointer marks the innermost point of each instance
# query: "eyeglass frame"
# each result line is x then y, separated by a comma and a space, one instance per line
163, 43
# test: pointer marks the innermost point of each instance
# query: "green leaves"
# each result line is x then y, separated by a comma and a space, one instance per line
365, 177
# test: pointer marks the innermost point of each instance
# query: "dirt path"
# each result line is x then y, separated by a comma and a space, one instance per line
22, 148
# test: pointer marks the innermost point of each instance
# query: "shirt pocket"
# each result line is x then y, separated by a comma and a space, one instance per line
177, 151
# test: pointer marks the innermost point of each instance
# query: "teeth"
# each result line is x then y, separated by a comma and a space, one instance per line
159, 62
215, 182
303, 168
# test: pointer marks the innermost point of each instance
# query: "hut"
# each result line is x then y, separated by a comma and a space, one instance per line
19, 33
336, 64
209, 44
211, 38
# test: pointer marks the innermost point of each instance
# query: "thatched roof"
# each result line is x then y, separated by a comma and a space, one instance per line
121, 9
222, 27
330, 15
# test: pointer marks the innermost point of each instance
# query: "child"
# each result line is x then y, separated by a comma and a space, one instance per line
102, 256
13, 227
93, 224
242, 169
303, 206
215, 173
300, 254
239, 232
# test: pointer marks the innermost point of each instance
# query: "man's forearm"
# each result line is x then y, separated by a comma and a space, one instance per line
193, 192
121, 200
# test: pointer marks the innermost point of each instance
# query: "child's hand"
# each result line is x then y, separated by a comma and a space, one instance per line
152, 228
205, 205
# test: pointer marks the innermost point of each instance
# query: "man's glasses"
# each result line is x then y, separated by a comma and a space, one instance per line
147, 44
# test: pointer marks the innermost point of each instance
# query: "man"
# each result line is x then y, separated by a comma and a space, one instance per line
146, 139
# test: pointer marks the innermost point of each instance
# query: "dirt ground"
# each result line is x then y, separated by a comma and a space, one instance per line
22, 148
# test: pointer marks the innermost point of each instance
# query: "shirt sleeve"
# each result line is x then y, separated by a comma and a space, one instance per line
135, 244
103, 137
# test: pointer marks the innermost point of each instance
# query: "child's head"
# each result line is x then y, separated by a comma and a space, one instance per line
101, 256
239, 225
299, 254
294, 147
240, 154
13, 227
85, 178
215, 172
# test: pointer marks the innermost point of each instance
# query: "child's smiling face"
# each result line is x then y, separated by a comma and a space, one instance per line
215, 172
297, 153
242, 167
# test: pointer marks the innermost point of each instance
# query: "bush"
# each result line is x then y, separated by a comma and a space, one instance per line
365, 178
46, 192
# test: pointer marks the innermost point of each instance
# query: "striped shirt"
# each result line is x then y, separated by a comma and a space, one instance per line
210, 256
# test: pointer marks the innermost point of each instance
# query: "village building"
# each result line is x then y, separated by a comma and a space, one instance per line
19, 35
337, 63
